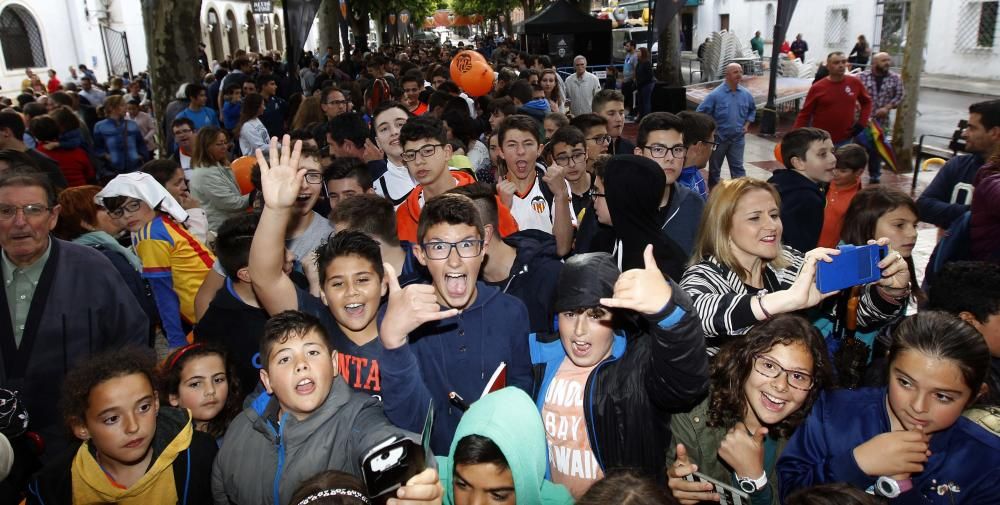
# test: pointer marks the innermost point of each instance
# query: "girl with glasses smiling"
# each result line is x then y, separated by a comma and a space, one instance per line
762, 388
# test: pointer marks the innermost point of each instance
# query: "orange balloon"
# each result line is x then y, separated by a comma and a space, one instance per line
242, 167
777, 152
478, 81
461, 64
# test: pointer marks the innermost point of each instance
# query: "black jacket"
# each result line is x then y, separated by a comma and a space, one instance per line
237, 328
802, 204
533, 276
656, 368
192, 467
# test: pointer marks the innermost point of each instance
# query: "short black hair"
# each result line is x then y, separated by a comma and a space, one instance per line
423, 127
192, 90
520, 90
698, 127
967, 286
412, 76
587, 121
386, 105
544, 60
349, 243
462, 127
262, 80
348, 126
519, 122
99, 368
161, 170
503, 104
656, 121
181, 121
12, 121
44, 128
484, 197
286, 325
989, 112
851, 156
232, 246
370, 214
449, 87
348, 168
795, 144
476, 450
449, 209
569, 135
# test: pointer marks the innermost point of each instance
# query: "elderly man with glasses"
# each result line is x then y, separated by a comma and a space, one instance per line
63, 302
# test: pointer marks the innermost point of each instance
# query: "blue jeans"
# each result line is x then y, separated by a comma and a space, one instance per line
731, 150
646, 99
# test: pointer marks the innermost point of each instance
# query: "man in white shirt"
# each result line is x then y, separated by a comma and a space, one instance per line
581, 87
93, 94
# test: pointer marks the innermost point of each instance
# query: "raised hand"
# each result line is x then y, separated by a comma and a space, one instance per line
643, 290
506, 189
687, 492
281, 180
408, 308
422, 488
893, 453
555, 178
804, 290
744, 452
895, 279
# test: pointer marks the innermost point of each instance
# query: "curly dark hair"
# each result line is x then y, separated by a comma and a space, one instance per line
80, 381
168, 381
734, 363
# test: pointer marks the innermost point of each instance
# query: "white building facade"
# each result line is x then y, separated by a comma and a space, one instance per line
57, 34
962, 40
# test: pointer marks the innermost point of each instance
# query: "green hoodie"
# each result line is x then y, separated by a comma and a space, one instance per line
510, 419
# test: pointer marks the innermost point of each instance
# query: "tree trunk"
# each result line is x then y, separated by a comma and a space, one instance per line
913, 66
171, 61
329, 26
669, 64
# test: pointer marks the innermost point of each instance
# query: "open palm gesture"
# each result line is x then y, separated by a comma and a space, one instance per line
281, 180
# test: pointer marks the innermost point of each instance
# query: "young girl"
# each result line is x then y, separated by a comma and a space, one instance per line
133, 452
173, 260
198, 377
908, 439
762, 387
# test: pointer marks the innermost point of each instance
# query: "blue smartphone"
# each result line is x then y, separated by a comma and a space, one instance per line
855, 265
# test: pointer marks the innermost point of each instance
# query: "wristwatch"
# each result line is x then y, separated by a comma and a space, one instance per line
750, 485
891, 488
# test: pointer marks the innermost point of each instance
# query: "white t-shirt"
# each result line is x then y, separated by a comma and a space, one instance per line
533, 212
395, 184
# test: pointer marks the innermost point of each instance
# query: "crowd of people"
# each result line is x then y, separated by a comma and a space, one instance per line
530, 306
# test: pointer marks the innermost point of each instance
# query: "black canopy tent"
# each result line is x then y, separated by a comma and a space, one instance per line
562, 31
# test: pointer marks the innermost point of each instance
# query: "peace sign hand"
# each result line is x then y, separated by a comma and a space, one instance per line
408, 308
281, 180
643, 290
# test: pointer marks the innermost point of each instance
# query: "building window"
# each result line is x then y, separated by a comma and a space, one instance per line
836, 27
977, 25
22, 42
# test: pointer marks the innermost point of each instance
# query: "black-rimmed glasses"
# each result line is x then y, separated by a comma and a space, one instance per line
660, 151
441, 250
425, 151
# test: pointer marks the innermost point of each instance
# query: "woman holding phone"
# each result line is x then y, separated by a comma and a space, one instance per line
740, 273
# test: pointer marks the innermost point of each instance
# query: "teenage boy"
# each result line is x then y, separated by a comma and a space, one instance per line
546, 207
307, 423
809, 158
234, 319
524, 264
568, 149
450, 336
346, 135
275, 108
426, 152
196, 111
374, 216
699, 132
608, 388
610, 104
350, 275
394, 182
851, 162
595, 132
183, 130
661, 139
344, 178
413, 84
